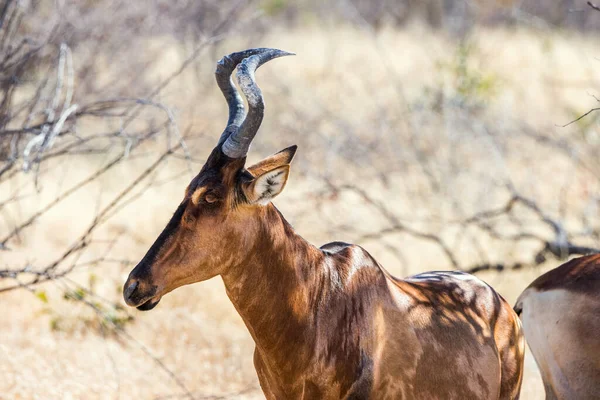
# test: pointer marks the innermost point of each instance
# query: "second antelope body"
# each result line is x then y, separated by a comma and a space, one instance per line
328, 322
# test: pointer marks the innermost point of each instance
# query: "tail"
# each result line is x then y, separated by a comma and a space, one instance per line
518, 308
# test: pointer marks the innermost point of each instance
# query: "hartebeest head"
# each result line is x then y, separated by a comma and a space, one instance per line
213, 226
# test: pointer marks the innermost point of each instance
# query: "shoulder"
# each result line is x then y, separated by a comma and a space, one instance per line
352, 264
349, 251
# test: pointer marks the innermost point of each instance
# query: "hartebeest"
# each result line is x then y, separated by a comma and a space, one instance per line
560, 311
328, 322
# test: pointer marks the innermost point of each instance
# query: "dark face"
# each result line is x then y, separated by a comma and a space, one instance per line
212, 228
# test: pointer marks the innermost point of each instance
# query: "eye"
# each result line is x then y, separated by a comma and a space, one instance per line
188, 218
210, 198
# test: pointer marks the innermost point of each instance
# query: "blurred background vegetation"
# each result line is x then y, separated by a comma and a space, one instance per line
435, 133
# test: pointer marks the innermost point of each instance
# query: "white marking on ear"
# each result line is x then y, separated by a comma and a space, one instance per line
270, 184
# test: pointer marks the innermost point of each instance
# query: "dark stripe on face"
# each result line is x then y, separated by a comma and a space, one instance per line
140, 287
169, 230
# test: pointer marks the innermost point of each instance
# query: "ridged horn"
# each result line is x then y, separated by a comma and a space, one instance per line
238, 141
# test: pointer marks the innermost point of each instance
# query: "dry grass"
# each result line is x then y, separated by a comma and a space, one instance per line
342, 80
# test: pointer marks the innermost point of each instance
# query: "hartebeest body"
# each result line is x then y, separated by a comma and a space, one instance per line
329, 322
561, 319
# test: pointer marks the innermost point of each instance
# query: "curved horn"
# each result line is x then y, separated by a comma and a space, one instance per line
237, 144
225, 67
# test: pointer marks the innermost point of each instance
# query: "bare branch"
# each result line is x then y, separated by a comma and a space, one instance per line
580, 117
595, 7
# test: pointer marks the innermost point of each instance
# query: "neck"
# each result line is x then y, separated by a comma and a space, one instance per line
271, 291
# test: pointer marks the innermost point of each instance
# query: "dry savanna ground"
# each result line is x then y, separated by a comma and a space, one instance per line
343, 81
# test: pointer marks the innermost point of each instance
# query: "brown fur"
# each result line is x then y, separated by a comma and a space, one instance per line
561, 320
330, 322
580, 274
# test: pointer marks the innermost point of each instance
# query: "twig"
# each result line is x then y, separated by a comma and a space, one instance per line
577, 119
595, 7
47, 273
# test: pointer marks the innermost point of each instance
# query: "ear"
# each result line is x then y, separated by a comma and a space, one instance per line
284, 157
270, 176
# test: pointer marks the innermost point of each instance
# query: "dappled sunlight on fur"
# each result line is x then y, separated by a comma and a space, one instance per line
57, 349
